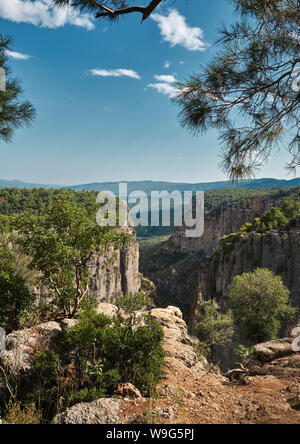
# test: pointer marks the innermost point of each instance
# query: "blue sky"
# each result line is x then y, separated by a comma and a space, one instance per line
103, 107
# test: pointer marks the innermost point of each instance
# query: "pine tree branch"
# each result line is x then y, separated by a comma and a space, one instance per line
146, 11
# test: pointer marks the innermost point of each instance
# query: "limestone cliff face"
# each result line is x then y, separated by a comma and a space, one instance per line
279, 252
115, 273
226, 219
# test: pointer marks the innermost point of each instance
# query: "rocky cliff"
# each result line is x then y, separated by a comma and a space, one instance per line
115, 273
183, 268
228, 218
279, 252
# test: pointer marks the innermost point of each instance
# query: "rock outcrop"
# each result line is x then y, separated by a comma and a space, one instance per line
115, 273
274, 358
102, 411
227, 218
279, 252
21, 345
177, 343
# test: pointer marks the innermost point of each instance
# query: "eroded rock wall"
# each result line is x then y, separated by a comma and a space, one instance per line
115, 273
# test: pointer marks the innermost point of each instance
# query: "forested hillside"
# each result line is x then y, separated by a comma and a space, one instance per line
38, 201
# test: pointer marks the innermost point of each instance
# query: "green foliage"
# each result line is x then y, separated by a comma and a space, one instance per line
60, 247
116, 351
15, 297
261, 302
246, 91
242, 351
133, 303
15, 112
91, 360
295, 403
39, 201
211, 326
281, 219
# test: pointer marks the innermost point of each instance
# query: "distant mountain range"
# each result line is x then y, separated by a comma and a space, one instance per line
147, 185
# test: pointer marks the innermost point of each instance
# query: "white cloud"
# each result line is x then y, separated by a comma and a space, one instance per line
115, 73
165, 85
176, 31
42, 13
166, 78
167, 64
18, 55
164, 88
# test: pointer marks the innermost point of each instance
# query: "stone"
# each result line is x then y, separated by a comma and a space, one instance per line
68, 323
128, 390
109, 310
21, 345
102, 411
269, 351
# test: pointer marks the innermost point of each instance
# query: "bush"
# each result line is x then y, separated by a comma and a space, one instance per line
15, 297
107, 352
261, 302
211, 326
242, 351
94, 356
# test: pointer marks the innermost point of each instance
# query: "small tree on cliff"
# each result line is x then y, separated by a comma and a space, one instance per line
210, 325
261, 302
60, 247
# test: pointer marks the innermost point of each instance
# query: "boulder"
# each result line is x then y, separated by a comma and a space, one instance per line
274, 358
102, 411
107, 309
68, 323
21, 345
269, 351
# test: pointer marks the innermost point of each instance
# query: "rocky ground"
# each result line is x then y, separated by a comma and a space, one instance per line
193, 392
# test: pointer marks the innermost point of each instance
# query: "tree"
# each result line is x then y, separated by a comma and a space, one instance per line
261, 302
210, 325
14, 112
112, 9
248, 91
15, 297
60, 247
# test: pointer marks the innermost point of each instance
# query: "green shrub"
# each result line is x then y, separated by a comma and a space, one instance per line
15, 297
295, 403
211, 326
132, 303
91, 360
107, 352
242, 351
261, 302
